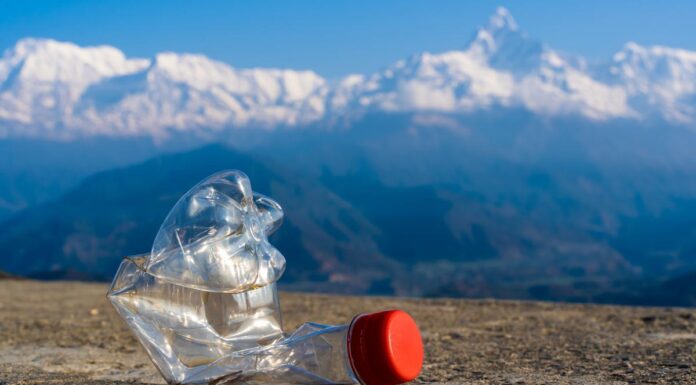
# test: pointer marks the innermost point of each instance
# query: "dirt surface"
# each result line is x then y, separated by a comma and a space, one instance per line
67, 333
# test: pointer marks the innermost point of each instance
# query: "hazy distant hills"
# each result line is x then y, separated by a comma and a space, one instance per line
35, 170
51, 89
414, 204
113, 214
678, 291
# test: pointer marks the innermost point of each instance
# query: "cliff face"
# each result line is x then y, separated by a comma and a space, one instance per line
66, 333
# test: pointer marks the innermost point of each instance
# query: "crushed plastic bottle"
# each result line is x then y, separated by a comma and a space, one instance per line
204, 304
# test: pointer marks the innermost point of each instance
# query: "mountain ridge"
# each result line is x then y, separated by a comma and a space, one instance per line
54, 89
375, 210
91, 236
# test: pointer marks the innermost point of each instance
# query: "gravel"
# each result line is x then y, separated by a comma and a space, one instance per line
67, 333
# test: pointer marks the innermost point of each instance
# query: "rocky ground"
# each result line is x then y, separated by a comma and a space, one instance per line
67, 333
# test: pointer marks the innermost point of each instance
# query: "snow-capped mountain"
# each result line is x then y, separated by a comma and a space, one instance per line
191, 91
658, 80
59, 89
56, 89
500, 67
42, 80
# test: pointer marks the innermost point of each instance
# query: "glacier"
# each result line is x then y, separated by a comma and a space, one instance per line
52, 89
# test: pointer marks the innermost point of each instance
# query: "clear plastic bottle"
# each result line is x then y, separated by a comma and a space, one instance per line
204, 304
197, 337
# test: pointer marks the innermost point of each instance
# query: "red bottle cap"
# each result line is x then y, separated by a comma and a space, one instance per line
385, 348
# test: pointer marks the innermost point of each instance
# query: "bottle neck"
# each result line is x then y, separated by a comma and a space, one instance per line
350, 359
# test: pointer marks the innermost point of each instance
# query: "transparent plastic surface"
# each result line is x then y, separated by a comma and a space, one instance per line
185, 330
216, 237
313, 354
195, 336
204, 304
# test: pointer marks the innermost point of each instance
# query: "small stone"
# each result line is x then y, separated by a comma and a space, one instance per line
94, 312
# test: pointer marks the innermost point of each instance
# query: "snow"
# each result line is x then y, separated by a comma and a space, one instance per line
502, 19
501, 67
659, 80
58, 89
51, 61
52, 89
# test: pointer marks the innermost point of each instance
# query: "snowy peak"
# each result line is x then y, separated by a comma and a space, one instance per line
659, 80
49, 60
202, 73
655, 63
197, 71
501, 68
500, 25
42, 79
63, 90
503, 45
58, 89
502, 20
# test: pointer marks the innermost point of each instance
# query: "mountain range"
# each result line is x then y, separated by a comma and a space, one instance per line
357, 223
52, 89
505, 169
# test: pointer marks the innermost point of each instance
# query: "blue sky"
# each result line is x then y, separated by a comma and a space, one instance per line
336, 37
